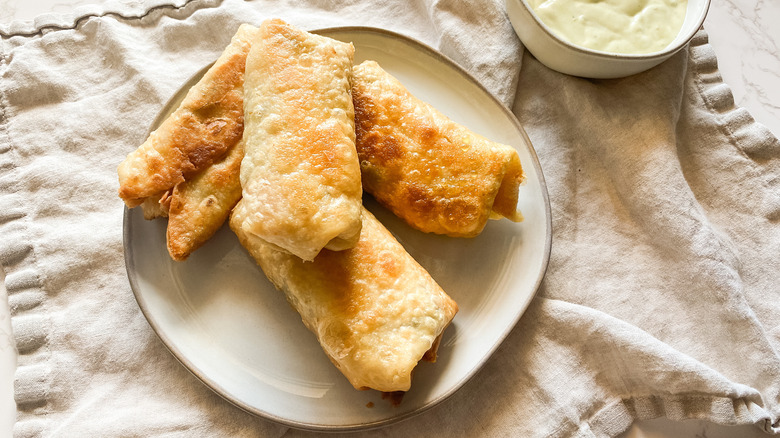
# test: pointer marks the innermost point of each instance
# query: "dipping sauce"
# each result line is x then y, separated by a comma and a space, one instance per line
617, 26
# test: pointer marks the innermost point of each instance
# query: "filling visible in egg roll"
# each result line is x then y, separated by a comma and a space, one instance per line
375, 311
430, 171
300, 176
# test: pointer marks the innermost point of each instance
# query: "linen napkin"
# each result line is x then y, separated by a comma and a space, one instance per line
662, 295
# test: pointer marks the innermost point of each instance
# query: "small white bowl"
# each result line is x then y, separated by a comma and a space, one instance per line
565, 57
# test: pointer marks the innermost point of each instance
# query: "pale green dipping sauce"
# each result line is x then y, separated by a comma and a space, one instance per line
617, 26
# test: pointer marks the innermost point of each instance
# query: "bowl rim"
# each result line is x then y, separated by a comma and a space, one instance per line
668, 51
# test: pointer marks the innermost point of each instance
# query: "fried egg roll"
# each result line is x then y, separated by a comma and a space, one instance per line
300, 176
433, 173
375, 311
207, 123
198, 207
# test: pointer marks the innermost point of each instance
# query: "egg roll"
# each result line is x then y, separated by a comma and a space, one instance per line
300, 175
207, 123
198, 207
374, 310
430, 171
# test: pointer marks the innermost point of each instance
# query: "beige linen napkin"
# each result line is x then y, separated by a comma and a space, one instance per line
662, 294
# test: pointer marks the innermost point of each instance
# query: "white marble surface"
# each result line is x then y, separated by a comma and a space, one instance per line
746, 39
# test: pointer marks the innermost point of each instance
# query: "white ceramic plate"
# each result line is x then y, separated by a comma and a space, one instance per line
226, 323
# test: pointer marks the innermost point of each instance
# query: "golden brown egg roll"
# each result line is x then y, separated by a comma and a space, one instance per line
433, 173
198, 207
300, 176
375, 311
207, 123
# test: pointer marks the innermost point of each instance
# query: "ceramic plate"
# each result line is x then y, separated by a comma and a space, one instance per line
226, 323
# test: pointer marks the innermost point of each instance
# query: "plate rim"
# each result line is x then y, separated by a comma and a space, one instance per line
222, 392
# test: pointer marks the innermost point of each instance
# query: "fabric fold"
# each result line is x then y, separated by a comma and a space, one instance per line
652, 197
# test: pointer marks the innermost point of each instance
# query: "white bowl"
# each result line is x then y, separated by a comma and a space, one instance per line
565, 57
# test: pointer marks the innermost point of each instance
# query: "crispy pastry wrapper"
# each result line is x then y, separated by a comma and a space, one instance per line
433, 173
300, 176
188, 169
199, 207
205, 126
375, 311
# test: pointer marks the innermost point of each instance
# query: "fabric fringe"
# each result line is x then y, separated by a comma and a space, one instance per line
69, 21
24, 283
26, 296
737, 122
754, 139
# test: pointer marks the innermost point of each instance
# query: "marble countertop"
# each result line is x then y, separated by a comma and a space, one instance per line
746, 39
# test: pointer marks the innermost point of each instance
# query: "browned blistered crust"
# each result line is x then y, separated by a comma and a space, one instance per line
188, 169
209, 121
300, 176
375, 311
432, 172
199, 206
